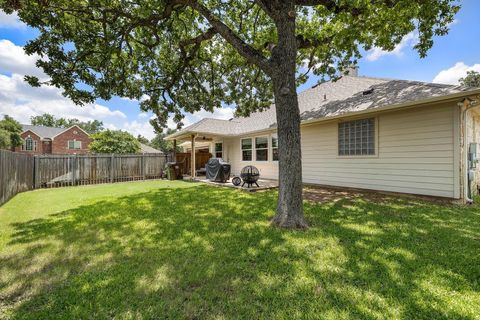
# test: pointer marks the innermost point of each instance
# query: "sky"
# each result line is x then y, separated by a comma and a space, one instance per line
449, 59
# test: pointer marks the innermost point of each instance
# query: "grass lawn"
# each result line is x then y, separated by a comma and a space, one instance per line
180, 250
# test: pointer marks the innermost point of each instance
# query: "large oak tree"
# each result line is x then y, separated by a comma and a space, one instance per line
179, 56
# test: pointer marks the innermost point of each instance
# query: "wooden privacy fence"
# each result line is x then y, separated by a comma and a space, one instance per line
22, 172
67, 170
16, 174
185, 159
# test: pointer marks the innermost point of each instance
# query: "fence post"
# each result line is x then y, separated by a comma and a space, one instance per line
74, 168
34, 170
143, 166
111, 167
36, 166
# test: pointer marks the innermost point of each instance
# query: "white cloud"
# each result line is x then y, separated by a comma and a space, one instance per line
138, 127
13, 59
453, 74
21, 101
10, 21
220, 113
407, 42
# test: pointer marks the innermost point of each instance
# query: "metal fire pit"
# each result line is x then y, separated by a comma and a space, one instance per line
250, 176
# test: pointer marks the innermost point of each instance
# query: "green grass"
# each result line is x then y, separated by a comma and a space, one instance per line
180, 250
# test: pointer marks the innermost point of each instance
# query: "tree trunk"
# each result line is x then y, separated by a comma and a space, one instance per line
290, 199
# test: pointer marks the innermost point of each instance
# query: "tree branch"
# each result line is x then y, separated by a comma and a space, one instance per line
304, 43
251, 54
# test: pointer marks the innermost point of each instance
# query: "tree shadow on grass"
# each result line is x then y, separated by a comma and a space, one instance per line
204, 252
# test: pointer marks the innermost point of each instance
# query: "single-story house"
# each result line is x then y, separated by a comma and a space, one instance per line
364, 132
48, 140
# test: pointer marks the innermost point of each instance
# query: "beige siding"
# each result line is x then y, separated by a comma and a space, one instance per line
268, 169
414, 155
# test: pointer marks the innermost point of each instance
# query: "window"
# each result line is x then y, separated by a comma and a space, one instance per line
30, 145
261, 149
356, 137
246, 149
218, 150
274, 148
74, 144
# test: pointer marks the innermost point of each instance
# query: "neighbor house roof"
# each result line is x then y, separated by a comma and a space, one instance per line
43, 132
347, 95
147, 149
48, 132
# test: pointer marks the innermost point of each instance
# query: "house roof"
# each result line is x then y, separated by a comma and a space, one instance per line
347, 95
49, 132
147, 149
43, 132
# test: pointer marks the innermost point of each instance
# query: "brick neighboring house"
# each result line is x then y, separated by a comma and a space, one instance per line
48, 140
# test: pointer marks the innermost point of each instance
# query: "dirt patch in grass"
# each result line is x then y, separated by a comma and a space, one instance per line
330, 194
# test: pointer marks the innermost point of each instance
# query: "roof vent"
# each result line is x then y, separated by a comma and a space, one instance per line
367, 92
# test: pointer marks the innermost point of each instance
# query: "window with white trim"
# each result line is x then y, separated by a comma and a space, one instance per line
356, 138
30, 144
219, 150
261, 148
274, 148
74, 144
246, 145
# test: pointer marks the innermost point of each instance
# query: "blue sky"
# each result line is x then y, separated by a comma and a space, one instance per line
448, 60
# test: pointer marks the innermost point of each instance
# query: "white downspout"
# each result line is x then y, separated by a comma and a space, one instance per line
466, 105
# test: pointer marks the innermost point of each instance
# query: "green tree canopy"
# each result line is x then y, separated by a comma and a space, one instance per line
114, 141
143, 140
159, 142
472, 79
49, 120
10, 130
179, 56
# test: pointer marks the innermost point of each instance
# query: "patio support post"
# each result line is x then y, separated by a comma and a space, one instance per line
174, 150
192, 163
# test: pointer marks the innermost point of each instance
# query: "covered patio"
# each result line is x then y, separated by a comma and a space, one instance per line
203, 146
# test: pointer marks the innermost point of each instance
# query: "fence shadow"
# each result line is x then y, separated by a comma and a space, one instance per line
205, 252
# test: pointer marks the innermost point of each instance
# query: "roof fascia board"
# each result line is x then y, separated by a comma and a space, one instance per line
69, 129
30, 130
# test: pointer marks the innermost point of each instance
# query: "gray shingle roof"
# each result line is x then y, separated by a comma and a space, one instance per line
147, 149
43, 132
329, 99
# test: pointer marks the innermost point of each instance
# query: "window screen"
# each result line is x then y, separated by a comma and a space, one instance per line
247, 149
73, 144
356, 138
274, 148
261, 148
218, 150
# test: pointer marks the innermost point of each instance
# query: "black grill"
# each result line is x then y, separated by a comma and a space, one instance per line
217, 170
250, 176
